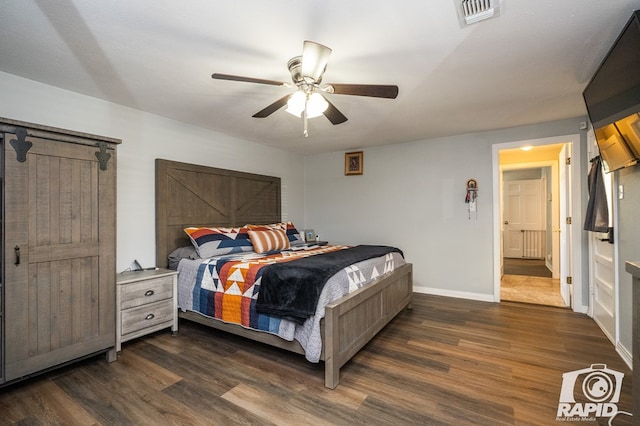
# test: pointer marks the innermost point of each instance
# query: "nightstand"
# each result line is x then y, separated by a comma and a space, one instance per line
146, 301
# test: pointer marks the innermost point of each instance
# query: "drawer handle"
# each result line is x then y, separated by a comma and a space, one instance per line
150, 317
149, 293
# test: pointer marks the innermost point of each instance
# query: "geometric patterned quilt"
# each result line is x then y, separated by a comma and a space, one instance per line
226, 288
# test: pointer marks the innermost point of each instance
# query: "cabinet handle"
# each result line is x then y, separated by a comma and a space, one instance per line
17, 250
150, 317
149, 293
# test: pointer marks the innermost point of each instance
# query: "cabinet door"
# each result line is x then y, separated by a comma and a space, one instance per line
59, 255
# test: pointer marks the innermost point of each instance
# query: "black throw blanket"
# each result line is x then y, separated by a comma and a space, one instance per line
291, 289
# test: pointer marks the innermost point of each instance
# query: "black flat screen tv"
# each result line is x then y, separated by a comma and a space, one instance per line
612, 98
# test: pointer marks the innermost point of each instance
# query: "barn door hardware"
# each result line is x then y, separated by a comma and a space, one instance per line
103, 156
21, 145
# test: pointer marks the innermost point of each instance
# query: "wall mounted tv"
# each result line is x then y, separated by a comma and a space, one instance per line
612, 98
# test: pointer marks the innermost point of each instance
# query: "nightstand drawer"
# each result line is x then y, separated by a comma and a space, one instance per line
146, 316
147, 291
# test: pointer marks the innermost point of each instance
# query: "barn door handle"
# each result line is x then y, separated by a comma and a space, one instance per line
17, 250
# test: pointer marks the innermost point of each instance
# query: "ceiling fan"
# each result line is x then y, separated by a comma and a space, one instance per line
308, 100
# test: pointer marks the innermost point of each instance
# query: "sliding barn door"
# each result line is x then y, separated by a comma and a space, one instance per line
59, 255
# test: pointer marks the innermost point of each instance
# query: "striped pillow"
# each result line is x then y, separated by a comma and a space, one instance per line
210, 242
268, 240
292, 233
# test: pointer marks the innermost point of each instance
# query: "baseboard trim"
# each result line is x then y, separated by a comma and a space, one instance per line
454, 293
625, 355
472, 296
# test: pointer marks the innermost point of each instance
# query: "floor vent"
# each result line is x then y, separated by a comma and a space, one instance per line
472, 11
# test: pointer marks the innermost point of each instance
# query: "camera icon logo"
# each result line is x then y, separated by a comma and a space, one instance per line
590, 392
596, 383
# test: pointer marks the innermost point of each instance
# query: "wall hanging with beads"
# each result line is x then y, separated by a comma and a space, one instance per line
471, 197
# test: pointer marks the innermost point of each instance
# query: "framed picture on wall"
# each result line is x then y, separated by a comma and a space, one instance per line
353, 163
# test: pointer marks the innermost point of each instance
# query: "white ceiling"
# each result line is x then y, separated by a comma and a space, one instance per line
528, 65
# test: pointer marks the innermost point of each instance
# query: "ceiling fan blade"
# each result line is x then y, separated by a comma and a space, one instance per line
246, 79
333, 114
373, 90
272, 108
315, 57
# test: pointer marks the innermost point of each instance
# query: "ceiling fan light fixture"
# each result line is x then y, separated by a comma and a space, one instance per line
308, 100
315, 57
316, 104
295, 104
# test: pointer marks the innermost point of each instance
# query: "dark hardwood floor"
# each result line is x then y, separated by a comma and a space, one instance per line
522, 266
446, 361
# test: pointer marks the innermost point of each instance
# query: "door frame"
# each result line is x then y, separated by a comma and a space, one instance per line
576, 203
566, 230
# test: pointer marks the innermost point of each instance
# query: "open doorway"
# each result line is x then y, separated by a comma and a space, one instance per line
540, 243
529, 210
530, 213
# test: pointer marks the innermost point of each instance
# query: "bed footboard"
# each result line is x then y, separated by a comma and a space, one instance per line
352, 321
349, 323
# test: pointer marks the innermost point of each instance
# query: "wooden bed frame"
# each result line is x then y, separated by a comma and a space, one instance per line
192, 195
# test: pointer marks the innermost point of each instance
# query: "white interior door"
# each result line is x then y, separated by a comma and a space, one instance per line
603, 285
564, 178
523, 211
603, 272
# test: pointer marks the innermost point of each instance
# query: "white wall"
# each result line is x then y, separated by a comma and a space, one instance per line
411, 195
147, 137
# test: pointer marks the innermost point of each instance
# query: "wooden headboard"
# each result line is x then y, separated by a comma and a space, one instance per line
192, 195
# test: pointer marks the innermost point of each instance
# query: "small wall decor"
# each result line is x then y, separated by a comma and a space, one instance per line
309, 235
472, 196
353, 164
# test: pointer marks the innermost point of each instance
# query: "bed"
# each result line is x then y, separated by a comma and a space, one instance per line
192, 195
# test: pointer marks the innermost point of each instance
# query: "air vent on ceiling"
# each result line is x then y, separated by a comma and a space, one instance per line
472, 11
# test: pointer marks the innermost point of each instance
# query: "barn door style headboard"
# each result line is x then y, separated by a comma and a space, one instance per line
193, 195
